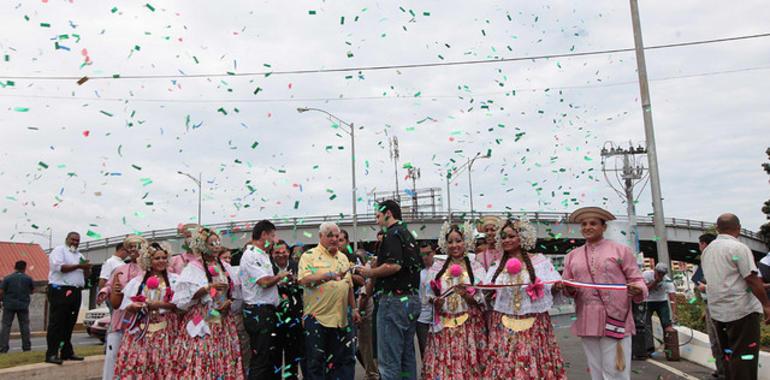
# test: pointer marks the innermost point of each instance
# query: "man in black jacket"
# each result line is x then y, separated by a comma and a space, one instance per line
397, 283
289, 332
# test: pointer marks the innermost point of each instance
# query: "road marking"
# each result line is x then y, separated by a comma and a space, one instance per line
672, 370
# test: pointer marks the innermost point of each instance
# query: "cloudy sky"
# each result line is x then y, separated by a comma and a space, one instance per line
103, 156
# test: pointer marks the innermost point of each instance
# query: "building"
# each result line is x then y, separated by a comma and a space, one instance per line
37, 268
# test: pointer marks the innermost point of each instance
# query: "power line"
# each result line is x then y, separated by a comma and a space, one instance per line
389, 67
410, 97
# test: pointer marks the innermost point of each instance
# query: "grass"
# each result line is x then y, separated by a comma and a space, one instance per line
13, 359
691, 312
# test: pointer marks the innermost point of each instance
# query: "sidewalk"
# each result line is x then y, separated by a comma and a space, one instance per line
90, 368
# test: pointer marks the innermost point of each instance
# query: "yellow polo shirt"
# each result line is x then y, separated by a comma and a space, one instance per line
328, 302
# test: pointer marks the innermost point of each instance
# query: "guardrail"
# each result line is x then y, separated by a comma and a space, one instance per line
368, 218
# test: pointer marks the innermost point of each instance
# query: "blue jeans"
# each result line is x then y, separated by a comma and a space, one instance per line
396, 325
328, 352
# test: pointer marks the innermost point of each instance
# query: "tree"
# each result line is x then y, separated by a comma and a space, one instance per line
764, 231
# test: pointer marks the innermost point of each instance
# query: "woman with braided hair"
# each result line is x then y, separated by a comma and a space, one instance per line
522, 344
208, 345
455, 348
144, 349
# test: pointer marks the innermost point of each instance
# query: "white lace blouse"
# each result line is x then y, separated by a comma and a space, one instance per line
193, 278
507, 298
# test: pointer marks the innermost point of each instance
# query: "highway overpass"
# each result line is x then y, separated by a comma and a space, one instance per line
555, 235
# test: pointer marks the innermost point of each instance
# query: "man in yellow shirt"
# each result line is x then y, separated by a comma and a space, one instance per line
324, 272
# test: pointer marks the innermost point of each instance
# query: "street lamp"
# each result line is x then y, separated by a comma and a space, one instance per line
468, 165
49, 236
352, 134
198, 182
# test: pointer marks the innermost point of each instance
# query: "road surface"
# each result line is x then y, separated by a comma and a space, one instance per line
570, 347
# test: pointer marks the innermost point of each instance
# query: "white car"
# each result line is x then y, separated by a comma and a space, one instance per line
95, 314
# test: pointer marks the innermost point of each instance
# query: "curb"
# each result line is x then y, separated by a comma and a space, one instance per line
90, 368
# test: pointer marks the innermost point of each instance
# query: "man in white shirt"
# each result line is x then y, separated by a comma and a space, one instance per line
260, 299
661, 291
425, 320
66, 279
736, 298
117, 259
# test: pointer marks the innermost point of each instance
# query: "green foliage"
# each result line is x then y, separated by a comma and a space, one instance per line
691, 313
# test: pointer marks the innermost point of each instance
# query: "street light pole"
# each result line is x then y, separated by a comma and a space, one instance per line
468, 165
649, 133
352, 133
49, 236
448, 198
198, 181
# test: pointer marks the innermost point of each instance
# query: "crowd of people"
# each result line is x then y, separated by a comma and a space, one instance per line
274, 311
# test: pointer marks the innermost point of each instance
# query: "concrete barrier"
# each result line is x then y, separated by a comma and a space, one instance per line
90, 368
695, 347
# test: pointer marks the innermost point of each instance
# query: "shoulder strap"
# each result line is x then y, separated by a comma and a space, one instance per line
598, 292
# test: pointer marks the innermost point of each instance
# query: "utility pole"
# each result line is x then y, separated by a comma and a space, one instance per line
394, 155
632, 173
414, 174
649, 133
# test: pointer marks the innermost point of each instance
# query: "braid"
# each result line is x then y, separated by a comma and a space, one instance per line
165, 278
470, 270
206, 270
441, 272
530, 268
229, 280
500, 267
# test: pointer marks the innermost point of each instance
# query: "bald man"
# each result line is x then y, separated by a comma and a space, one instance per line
736, 313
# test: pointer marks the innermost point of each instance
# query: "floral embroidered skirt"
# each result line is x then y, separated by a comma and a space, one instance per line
214, 356
148, 357
522, 355
457, 353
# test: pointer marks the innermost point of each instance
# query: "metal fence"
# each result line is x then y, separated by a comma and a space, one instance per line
368, 218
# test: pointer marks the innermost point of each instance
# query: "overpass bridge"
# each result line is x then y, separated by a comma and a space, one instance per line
555, 235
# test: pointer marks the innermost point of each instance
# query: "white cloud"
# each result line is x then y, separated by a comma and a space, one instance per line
709, 128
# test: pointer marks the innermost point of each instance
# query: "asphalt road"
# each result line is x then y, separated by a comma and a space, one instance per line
571, 348
38, 344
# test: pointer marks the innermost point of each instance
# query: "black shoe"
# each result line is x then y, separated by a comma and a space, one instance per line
53, 360
73, 357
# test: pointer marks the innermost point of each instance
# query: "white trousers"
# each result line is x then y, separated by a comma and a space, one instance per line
601, 352
113, 345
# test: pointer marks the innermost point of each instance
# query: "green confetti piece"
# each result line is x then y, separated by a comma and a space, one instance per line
93, 234
145, 181
747, 357
311, 12
255, 144
307, 234
106, 113
114, 9
136, 167
45, 25
43, 165
426, 13
587, 158
21, 109
150, 7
